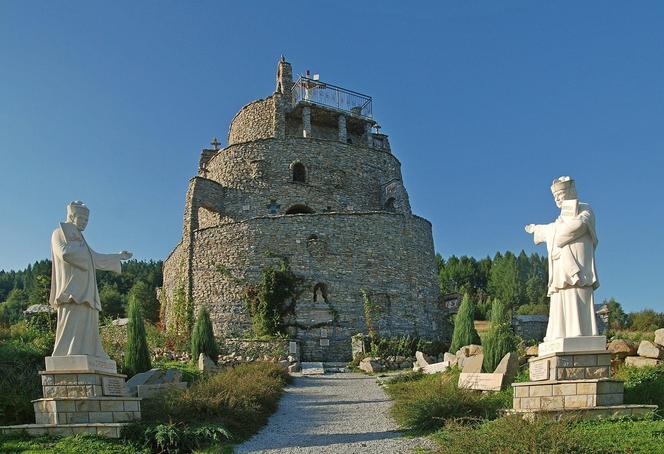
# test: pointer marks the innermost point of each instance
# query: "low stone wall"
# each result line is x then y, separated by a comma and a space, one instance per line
255, 349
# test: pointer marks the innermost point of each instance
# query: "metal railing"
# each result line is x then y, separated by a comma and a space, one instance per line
321, 93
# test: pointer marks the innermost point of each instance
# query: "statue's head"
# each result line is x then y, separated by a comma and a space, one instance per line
563, 188
78, 214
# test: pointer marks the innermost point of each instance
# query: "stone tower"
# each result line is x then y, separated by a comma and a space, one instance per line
305, 177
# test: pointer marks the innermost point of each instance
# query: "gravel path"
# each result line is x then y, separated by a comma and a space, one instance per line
333, 413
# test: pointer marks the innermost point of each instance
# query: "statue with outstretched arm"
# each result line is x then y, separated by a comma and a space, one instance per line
74, 291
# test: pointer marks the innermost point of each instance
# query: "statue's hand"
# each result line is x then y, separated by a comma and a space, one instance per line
126, 255
530, 228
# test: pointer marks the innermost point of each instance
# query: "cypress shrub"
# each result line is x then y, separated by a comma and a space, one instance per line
499, 340
137, 355
464, 328
202, 340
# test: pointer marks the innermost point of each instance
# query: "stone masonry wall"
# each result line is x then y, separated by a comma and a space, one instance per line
388, 255
254, 121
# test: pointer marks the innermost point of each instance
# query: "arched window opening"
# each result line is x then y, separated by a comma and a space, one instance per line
320, 290
299, 173
389, 204
299, 209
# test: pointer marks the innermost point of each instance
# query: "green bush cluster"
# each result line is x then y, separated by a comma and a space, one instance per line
239, 398
174, 438
402, 346
202, 339
500, 339
137, 354
643, 385
464, 327
22, 350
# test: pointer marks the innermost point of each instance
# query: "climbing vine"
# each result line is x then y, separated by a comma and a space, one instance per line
369, 310
273, 298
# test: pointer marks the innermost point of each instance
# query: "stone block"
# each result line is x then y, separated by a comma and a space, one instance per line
205, 364
312, 368
88, 405
521, 391
638, 361
564, 389
516, 403
77, 418
450, 357
649, 349
65, 379
481, 382
586, 388
65, 405
123, 416
436, 367
80, 363
473, 364
85, 430
598, 372
621, 348
573, 344
111, 405
576, 401
146, 391
539, 370
565, 361
89, 379
585, 360
541, 391
610, 387
101, 416
659, 336
50, 391
508, 365
108, 431
531, 403
604, 360
132, 405
369, 365
422, 360
48, 380
59, 431
553, 402
532, 350
609, 399
571, 373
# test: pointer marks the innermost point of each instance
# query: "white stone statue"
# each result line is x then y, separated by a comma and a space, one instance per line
75, 296
571, 241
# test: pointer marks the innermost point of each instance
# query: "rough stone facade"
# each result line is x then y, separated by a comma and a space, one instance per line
311, 183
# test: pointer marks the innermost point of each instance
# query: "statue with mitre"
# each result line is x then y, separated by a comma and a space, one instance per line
74, 293
571, 242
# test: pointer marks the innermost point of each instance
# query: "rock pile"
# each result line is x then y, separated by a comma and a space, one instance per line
646, 354
372, 364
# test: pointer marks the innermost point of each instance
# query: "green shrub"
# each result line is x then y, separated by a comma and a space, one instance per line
643, 385
645, 320
240, 398
137, 355
176, 437
464, 328
533, 309
76, 444
499, 340
426, 403
147, 298
202, 339
22, 351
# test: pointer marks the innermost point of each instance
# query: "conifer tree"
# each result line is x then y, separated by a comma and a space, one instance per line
137, 355
499, 340
464, 328
202, 339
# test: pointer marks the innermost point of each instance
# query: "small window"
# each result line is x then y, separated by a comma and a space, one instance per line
299, 209
299, 173
389, 205
320, 290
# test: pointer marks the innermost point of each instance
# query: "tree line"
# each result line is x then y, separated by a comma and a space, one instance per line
139, 280
519, 282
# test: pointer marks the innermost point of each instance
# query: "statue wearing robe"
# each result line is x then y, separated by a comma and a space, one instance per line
74, 291
571, 243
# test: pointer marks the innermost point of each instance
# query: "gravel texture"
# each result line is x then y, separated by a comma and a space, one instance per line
333, 413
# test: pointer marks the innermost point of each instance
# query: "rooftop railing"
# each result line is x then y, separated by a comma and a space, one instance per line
328, 95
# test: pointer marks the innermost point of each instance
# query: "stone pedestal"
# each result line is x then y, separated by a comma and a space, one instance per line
575, 381
82, 400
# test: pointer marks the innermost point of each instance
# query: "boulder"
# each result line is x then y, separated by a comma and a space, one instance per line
639, 361
621, 348
649, 349
659, 336
153, 378
283, 363
35, 309
312, 368
295, 367
205, 364
469, 350
120, 322
450, 357
371, 365
508, 366
436, 367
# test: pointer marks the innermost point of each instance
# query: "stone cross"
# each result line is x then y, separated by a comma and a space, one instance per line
215, 144
273, 207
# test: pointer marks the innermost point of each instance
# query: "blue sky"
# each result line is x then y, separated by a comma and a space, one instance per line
485, 103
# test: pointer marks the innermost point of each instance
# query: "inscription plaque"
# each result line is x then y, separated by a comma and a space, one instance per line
539, 370
292, 347
113, 386
325, 342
